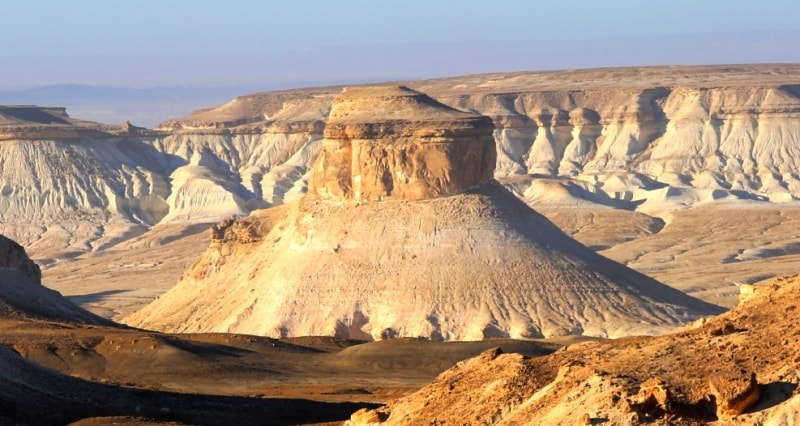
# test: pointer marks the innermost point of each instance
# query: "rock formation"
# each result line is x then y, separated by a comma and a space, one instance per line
404, 233
23, 296
13, 256
690, 377
589, 149
734, 392
70, 187
654, 139
397, 144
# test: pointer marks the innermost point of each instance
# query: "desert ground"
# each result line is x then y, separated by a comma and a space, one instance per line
89, 371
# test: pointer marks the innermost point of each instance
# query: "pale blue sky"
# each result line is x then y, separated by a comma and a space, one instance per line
145, 43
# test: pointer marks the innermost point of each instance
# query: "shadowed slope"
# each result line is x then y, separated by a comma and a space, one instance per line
23, 296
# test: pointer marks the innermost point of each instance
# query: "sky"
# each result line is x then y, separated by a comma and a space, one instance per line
149, 43
268, 44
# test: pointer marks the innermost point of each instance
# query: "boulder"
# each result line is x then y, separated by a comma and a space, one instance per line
734, 392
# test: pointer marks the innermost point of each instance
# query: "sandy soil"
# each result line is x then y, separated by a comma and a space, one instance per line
705, 251
117, 282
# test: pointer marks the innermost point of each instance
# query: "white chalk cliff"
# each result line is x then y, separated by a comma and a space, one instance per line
650, 139
66, 190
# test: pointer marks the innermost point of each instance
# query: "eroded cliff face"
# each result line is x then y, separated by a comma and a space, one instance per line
716, 140
396, 143
655, 139
650, 139
64, 191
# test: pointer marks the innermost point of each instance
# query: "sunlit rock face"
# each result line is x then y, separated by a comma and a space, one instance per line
404, 233
395, 143
655, 139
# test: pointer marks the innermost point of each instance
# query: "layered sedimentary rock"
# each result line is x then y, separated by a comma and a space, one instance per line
652, 139
395, 143
69, 186
440, 253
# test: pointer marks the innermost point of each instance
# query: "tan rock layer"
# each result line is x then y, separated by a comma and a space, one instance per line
395, 143
409, 169
734, 392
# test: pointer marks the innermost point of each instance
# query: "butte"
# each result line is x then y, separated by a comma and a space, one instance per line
404, 232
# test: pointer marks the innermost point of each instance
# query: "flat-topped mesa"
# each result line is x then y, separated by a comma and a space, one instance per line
31, 122
394, 143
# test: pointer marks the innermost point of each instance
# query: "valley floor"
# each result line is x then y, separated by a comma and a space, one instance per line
211, 378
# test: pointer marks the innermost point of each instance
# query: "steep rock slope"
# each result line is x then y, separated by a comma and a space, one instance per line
23, 296
68, 187
739, 368
395, 238
13, 257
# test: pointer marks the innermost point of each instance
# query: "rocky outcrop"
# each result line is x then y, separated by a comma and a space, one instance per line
396, 143
688, 377
239, 231
734, 392
339, 261
651, 139
23, 297
13, 256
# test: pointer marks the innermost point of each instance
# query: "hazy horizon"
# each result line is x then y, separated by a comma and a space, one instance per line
208, 46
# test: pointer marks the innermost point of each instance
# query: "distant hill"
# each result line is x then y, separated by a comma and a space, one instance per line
114, 105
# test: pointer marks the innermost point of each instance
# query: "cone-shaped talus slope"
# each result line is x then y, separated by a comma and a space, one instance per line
403, 233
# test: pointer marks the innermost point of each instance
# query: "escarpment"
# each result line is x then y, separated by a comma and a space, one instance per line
657, 139
70, 186
440, 254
